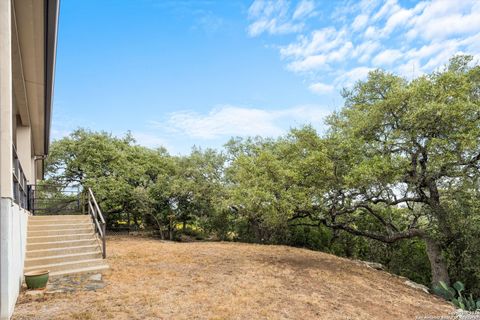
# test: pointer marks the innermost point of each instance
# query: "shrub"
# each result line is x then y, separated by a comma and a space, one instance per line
456, 296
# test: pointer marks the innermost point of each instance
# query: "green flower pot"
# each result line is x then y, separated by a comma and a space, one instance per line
36, 279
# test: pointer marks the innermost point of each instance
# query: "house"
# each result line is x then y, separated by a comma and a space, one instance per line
28, 37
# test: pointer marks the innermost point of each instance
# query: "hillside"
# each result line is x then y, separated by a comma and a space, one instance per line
151, 279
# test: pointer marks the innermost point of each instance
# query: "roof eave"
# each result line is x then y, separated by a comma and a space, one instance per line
51, 27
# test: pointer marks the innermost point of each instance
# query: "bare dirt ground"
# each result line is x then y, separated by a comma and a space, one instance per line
152, 279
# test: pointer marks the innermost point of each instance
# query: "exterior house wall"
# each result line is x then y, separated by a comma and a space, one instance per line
8, 275
13, 224
13, 219
6, 100
8, 287
27, 59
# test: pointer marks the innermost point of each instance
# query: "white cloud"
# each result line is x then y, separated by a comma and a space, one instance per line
448, 50
319, 41
387, 57
57, 134
359, 22
371, 33
223, 121
424, 51
321, 88
276, 16
303, 9
150, 140
388, 8
348, 78
444, 18
226, 121
395, 20
409, 40
309, 63
410, 69
342, 53
365, 50
273, 27
342, 13
318, 50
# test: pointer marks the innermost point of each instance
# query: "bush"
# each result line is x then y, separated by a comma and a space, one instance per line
456, 296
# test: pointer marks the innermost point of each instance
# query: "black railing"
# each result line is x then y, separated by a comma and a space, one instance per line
54, 199
99, 221
20, 188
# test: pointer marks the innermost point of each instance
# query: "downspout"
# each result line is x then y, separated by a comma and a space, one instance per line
42, 158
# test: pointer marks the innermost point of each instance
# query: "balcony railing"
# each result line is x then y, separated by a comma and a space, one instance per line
20, 188
54, 199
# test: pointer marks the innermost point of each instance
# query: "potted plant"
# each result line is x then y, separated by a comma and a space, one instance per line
36, 279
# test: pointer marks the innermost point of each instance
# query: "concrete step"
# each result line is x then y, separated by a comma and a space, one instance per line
58, 226
97, 268
34, 220
59, 232
61, 244
60, 216
66, 266
78, 236
62, 251
65, 221
32, 262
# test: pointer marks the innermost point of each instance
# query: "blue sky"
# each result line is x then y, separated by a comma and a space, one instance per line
182, 73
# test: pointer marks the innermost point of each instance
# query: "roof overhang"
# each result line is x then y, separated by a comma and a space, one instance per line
52, 10
35, 25
35, 42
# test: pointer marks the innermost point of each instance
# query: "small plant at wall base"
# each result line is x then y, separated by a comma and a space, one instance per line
456, 296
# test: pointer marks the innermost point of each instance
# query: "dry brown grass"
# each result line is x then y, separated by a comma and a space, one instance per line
151, 279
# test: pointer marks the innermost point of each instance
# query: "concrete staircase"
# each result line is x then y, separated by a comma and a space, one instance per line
63, 244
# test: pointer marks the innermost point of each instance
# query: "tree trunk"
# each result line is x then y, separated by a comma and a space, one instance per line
257, 232
128, 224
170, 228
135, 220
437, 262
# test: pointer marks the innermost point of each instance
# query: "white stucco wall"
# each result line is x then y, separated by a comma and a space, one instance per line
13, 239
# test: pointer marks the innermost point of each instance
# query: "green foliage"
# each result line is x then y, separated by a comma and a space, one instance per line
457, 296
143, 186
395, 176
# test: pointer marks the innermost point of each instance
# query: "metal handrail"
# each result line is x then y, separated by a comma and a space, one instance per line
100, 226
96, 205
